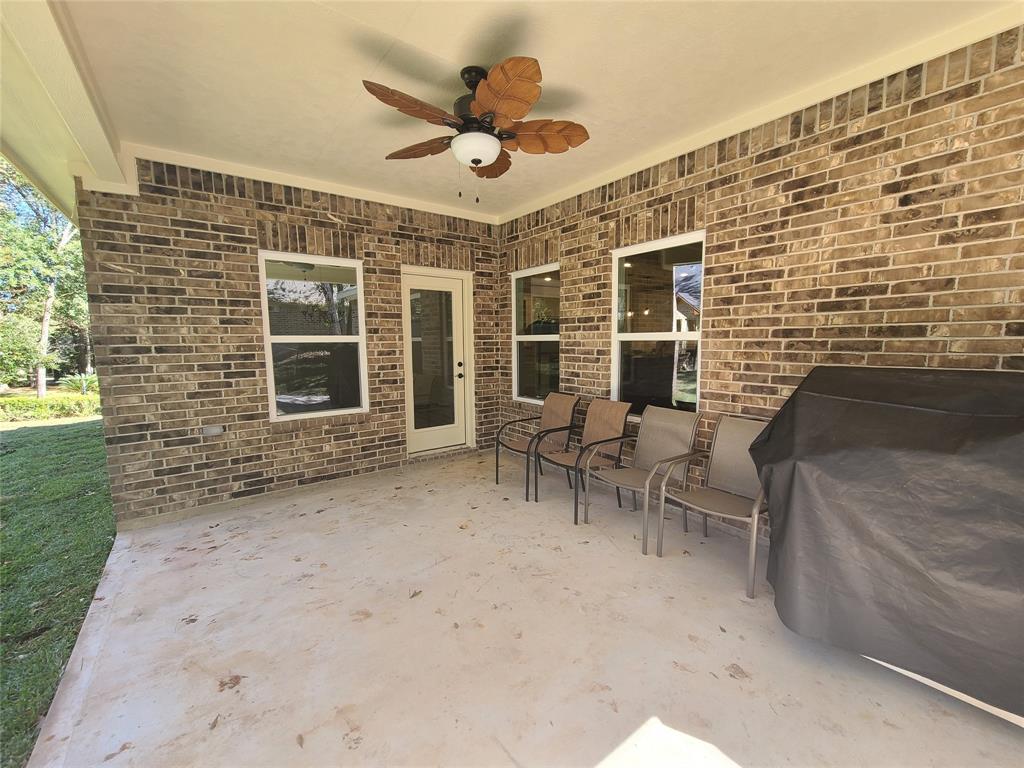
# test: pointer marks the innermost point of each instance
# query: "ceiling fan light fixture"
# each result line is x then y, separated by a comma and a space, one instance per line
475, 149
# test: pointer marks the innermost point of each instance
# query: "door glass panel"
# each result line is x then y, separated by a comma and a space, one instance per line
662, 373
433, 366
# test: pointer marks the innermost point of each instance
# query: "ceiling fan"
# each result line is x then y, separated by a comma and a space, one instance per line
488, 120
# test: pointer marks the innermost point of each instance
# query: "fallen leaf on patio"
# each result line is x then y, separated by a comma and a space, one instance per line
463, 526
227, 683
124, 748
686, 553
213, 723
300, 740
683, 667
721, 627
736, 672
190, 619
415, 593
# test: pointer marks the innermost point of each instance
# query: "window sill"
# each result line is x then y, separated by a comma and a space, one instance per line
321, 414
528, 400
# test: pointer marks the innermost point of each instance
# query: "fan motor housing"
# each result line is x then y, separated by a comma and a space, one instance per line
461, 108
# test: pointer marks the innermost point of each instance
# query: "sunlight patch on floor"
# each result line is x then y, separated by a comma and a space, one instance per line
654, 744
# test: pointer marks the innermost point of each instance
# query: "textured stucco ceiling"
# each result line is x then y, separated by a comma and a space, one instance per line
276, 85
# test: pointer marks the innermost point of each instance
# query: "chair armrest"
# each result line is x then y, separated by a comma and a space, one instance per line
673, 460
760, 502
510, 423
545, 432
591, 449
671, 463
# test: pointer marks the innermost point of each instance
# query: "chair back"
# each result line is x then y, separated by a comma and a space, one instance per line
605, 418
557, 412
664, 432
730, 467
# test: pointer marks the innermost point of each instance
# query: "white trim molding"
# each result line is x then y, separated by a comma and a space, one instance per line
465, 277
131, 153
269, 339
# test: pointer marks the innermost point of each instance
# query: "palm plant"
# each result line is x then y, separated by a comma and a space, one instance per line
81, 382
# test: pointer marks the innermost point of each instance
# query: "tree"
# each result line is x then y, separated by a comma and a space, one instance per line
40, 267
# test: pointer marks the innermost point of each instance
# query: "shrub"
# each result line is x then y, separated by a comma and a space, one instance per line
54, 406
19, 353
81, 383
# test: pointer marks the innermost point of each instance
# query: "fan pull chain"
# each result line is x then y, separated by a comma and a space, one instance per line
476, 188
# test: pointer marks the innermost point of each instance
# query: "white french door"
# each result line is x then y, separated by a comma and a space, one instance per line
438, 365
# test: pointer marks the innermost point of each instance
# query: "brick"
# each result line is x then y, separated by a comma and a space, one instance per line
884, 226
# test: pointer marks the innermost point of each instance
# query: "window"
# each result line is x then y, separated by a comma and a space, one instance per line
314, 333
656, 335
535, 316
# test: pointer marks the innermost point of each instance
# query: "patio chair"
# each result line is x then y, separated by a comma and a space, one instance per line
558, 411
666, 435
731, 490
604, 419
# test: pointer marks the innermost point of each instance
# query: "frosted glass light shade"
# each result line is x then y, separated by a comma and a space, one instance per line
475, 148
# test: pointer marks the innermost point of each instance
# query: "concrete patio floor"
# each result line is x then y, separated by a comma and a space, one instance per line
426, 616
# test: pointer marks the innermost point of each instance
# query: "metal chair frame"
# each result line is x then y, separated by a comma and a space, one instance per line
752, 519
581, 454
651, 474
531, 446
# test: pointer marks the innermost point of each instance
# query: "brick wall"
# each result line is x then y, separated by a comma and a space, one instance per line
884, 226
175, 301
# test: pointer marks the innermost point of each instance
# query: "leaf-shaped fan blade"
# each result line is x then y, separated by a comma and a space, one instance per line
535, 137
495, 169
510, 90
411, 106
424, 148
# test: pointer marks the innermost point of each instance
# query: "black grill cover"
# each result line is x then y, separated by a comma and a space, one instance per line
896, 499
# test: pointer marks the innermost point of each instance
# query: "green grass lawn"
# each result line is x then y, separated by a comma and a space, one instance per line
56, 529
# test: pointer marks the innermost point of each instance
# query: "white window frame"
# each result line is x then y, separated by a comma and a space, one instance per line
618, 337
360, 339
517, 337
